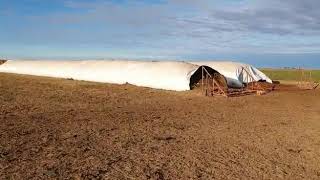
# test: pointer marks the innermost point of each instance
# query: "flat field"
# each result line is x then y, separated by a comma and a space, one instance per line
63, 129
291, 74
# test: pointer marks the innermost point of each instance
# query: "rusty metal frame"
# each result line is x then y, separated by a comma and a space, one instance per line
250, 79
215, 89
306, 81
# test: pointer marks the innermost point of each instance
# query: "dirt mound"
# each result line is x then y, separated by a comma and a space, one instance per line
261, 86
274, 87
287, 87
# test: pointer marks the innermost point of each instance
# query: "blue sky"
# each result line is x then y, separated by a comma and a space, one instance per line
261, 32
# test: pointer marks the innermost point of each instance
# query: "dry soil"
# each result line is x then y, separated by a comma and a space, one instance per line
63, 129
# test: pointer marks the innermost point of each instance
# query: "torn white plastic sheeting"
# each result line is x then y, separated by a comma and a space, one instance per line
159, 75
233, 72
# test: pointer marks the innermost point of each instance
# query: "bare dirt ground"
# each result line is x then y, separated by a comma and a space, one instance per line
64, 129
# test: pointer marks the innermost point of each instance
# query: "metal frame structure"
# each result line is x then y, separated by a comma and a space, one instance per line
306, 81
211, 87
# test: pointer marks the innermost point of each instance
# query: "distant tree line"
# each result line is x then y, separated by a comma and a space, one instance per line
290, 68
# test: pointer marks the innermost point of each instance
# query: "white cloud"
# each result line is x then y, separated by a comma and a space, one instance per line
185, 26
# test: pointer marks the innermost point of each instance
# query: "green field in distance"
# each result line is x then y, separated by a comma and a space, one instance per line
291, 74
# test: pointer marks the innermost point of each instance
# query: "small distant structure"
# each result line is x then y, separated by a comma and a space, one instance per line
306, 81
